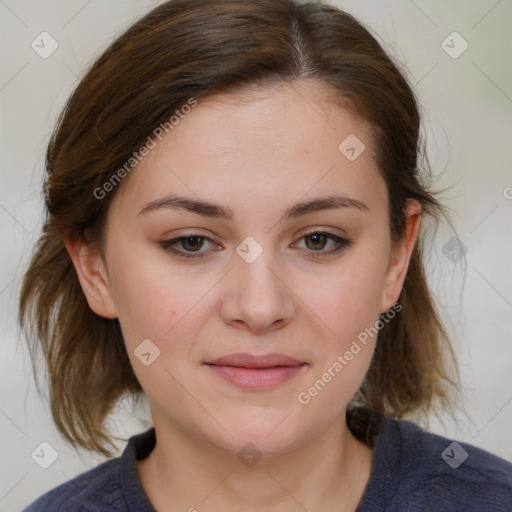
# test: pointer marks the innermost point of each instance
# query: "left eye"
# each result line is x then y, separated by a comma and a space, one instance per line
316, 242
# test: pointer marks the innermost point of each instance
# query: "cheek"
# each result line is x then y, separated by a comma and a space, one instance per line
331, 388
347, 301
349, 313
347, 298
152, 296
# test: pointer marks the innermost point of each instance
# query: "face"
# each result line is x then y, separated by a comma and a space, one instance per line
275, 269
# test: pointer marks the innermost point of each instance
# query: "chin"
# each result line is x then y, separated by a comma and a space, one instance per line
264, 437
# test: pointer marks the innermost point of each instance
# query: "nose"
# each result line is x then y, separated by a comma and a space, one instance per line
257, 297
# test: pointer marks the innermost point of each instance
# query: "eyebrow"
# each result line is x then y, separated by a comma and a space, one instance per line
206, 209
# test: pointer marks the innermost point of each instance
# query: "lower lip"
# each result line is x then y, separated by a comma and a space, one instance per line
256, 378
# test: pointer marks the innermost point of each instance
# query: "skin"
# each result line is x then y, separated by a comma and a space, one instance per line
256, 151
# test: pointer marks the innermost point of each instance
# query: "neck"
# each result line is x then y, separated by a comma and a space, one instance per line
328, 472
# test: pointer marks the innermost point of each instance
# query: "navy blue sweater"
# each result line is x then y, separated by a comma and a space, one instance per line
412, 471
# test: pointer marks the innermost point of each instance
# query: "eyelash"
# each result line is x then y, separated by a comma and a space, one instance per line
342, 244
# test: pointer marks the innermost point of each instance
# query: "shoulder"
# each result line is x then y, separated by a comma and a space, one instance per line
76, 494
112, 486
443, 474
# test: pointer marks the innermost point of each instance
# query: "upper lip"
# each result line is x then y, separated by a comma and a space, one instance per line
245, 360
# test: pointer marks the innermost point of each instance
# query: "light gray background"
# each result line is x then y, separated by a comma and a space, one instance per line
467, 103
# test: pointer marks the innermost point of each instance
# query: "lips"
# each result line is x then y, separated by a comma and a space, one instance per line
255, 373
244, 360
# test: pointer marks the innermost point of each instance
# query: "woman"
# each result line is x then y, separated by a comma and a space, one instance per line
234, 205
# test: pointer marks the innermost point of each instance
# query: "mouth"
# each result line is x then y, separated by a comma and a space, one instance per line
252, 372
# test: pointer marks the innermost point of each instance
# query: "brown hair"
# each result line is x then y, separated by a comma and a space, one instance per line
187, 49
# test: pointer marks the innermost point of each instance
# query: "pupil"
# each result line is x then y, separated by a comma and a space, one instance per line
193, 241
317, 239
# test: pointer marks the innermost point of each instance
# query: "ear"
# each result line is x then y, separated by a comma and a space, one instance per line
92, 274
400, 257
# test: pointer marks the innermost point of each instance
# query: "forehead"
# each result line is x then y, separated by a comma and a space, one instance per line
261, 147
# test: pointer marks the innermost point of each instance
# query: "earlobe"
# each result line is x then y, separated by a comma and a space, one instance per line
91, 271
400, 256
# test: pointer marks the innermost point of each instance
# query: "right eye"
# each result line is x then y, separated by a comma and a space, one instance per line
186, 246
